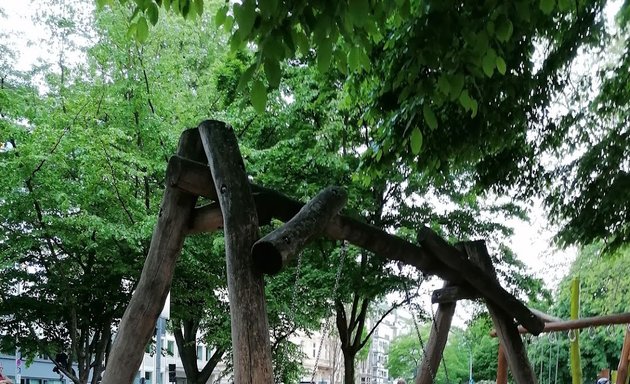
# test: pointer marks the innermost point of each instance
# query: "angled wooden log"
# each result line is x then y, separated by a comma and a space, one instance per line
207, 218
139, 319
481, 278
194, 178
624, 359
250, 329
279, 247
509, 336
437, 341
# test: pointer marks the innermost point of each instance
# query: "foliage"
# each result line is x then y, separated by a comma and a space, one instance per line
405, 356
600, 294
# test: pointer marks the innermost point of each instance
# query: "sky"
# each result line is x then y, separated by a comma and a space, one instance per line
532, 241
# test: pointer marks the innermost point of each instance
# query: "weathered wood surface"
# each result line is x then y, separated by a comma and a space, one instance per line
502, 367
480, 277
280, 246
509, 336
436, 343
585, 322
250, 329
193, 178
139, 319
452, 293
624, 359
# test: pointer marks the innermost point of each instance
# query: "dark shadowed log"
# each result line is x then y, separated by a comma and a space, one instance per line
509, 338
138, 322
250, 330
206, 219
437, 341
275, 250
486, 285
502, 367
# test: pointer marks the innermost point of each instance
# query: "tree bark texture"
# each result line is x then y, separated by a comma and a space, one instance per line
250, 330
502, 367
279, 247
140, 317
624, 359
509, 337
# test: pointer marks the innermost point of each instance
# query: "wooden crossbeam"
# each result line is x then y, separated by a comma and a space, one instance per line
448, 262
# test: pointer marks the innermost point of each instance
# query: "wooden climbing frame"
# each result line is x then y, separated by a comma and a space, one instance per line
208, 163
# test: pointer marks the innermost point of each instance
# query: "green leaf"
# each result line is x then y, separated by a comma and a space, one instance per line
416, 141
100, 4
132, 32
443, 84
457, 84
268, 7
324, 55
547, 6
142, 33
199, 7
359, 11
259, 96
245, 15
153, 13
272, 72
488, 63
429, 116
504, 29
501, 66
245, 77
354, 58
564, 5
473, 107
465, 100
219, 18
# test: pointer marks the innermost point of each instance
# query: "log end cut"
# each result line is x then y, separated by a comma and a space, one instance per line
267, 258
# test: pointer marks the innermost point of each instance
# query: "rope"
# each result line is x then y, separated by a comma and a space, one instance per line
342, 256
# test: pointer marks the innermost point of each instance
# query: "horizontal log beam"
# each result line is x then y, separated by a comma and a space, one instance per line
193, 178
450, 294
586, 322
279, 247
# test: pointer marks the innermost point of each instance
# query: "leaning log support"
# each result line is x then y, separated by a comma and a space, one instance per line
624, 359
437, 341
250, 329
482, 277
138, 322
509, 337
279, 247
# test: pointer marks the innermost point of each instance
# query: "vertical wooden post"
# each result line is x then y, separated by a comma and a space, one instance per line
250, 329
576, 364
502, 367
624, 358
509, 336
138, 322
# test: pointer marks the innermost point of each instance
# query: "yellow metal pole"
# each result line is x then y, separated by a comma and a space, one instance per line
576, 366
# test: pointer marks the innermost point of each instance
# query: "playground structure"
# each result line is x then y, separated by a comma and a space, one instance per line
208, 163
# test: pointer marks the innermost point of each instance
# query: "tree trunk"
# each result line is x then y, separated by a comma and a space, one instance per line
348, 366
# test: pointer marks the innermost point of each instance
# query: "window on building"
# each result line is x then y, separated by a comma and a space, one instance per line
170, 347
208, 353
199, 352
147, 377
314, 349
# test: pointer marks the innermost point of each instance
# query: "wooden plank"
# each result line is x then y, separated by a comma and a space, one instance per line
509, 337
502, 367
624, 358
280, 246
436, 343
481, 276
250, 329
140, 317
